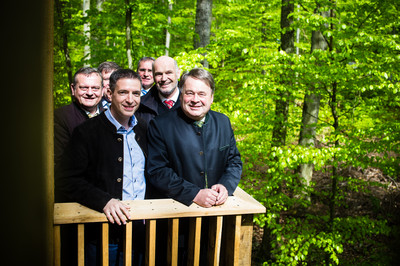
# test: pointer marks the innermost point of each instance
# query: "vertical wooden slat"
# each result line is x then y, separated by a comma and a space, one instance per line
128, 244
173, 235
246, 238
81, 244
57, 245
214, 240
194, 241
104, 243
232, 239
151, 242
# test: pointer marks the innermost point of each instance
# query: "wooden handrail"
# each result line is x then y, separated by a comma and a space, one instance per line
239, 203
230, 228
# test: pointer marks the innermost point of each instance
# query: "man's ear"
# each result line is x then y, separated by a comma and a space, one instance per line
72, 89
109, 94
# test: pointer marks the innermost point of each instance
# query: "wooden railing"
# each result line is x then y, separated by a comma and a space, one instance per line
230, 229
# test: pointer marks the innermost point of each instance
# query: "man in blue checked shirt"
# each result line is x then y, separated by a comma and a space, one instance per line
104, 164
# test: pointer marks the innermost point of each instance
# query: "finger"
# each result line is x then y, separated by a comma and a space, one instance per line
121, 218
126, 210
109, 217
116, 218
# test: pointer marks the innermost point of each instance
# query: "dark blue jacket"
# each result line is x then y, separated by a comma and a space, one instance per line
184, 158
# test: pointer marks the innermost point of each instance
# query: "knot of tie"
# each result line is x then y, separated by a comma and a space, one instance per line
169, 103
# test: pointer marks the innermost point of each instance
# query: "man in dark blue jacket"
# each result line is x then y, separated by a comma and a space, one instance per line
192, 150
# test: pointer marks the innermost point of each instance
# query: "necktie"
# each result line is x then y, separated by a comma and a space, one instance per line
169, 103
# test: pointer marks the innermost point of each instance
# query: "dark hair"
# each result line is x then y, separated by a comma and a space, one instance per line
201, 74
87, 71
108, 66
144, 59
123, 74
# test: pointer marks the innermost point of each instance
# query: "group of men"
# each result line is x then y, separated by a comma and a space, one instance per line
136, 135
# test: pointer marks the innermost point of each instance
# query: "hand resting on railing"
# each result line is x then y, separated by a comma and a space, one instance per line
117, 212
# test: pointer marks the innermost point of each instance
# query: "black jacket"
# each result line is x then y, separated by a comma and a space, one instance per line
91, 169
151, 105
184, 158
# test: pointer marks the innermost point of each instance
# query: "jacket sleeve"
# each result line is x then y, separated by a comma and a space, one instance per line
160, 173
72, 179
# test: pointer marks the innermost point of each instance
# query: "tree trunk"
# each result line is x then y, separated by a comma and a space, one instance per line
282, 104
86, 31
128, 33
99, 5
167, 34
203, 25
65, 41
311, 110
281, 109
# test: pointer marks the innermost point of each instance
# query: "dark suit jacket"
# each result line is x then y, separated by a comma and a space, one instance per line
151, 105
66, 118
91, 169
184, 158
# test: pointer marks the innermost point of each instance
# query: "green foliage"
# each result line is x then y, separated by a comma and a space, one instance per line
361, 68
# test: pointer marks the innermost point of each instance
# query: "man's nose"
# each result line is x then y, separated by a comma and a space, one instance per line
195, 97
129, 98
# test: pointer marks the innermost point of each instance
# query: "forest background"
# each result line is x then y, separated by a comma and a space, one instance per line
311, 88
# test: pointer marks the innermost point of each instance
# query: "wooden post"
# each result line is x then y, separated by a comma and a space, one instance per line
151, 242
231, 244
194, 241
57, 245
246, 239
173, 235
128, 244
214, 240
104, 243
81, 244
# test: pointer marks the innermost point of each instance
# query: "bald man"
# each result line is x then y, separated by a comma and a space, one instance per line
166, 97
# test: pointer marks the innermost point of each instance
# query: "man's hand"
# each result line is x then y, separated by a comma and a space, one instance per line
222, 194
206, 197
116, 212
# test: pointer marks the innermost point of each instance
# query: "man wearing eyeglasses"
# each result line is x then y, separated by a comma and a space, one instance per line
87, 91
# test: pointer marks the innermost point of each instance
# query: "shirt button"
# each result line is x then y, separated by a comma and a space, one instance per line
119, 139
119, 179
198, 133
202, 173
201, 153
119, 159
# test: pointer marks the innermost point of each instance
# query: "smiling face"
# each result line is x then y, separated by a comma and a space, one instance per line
196, 98
125, 99
87, 91
166, 75
145, 71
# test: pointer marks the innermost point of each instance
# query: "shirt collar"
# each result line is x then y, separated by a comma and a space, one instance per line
132, 121
93, 115
174, 97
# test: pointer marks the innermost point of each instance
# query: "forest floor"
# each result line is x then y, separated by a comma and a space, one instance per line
380, 200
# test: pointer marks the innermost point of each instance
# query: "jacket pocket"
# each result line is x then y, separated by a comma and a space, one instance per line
223, 147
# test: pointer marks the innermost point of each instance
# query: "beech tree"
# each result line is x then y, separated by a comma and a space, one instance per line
202, 25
